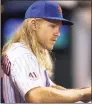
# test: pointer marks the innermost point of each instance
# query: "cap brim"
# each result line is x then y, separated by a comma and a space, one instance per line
64, 21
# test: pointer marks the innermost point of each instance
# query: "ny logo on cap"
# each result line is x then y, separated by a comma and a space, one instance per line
59, 9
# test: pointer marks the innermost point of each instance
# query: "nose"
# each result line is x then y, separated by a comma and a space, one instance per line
57, 31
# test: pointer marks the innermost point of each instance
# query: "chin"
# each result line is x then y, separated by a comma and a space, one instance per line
50, 48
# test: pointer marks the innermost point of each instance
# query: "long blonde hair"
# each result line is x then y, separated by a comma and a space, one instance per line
25, 35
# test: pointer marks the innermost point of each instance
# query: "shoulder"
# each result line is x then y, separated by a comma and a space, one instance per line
16, 50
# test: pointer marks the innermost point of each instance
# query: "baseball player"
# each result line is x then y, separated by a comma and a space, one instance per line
26, 61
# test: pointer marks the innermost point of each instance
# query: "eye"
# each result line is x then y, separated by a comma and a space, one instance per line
53, 26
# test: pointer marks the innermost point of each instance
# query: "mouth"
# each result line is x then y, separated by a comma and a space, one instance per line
54, 39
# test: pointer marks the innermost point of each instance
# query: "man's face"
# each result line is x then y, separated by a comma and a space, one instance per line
48, 33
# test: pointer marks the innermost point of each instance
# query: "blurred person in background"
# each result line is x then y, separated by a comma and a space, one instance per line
26, 60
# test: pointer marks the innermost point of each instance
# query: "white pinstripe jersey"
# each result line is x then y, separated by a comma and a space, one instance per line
22, 73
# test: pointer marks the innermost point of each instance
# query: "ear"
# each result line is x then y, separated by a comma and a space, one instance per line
33, 24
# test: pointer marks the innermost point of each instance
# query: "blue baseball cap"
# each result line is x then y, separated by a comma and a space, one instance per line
46, 10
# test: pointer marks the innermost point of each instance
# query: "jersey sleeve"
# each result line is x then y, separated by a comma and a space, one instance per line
49, 82
25, 74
